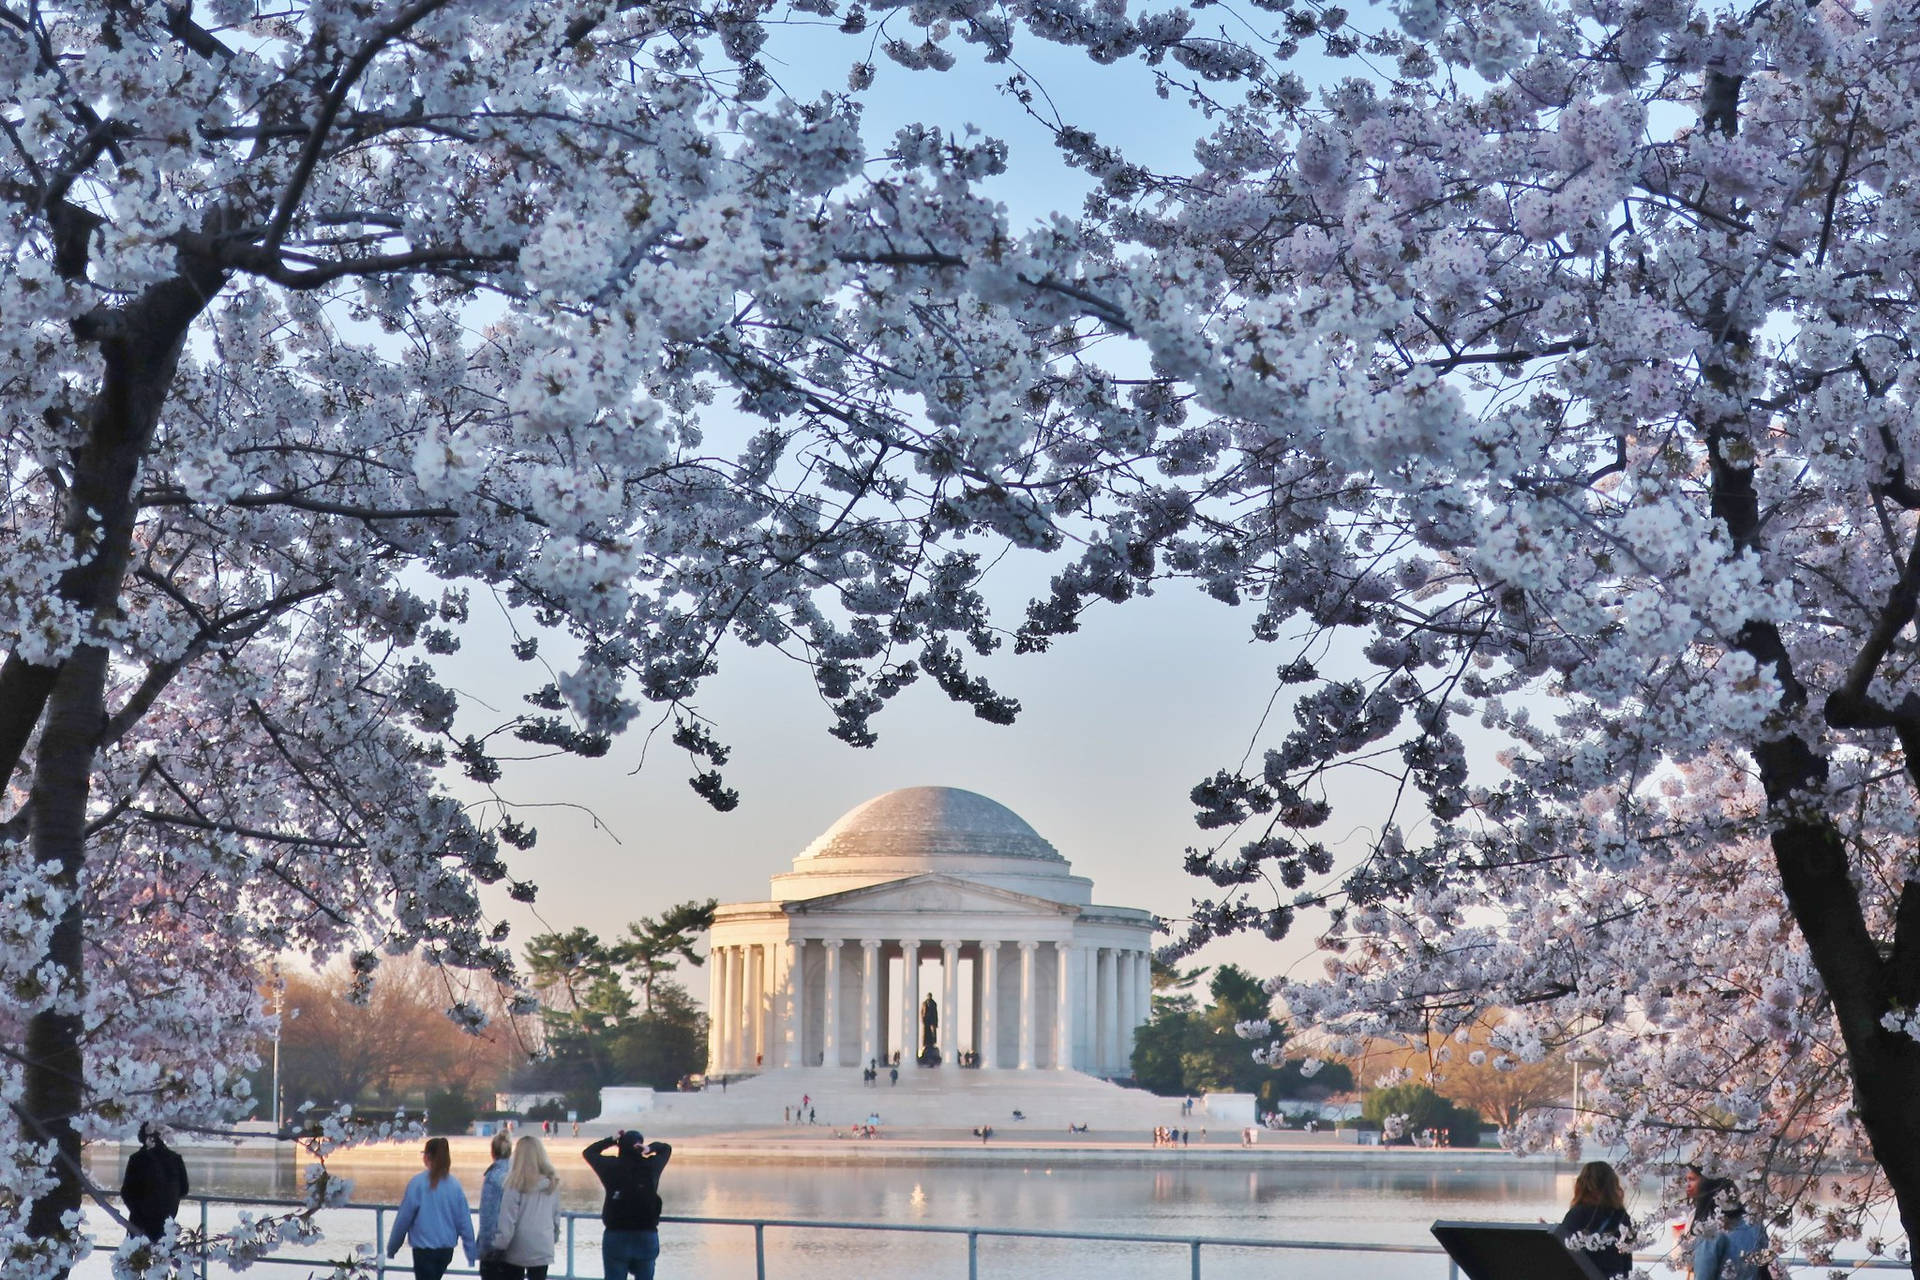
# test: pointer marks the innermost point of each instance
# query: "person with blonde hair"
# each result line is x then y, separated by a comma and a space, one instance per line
1597, 1226
529, 1214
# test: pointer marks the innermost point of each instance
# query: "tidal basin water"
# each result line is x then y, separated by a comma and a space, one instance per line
1374, 1205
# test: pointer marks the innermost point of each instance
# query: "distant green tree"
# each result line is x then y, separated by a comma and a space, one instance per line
1171, 978
1423, 1109
597, 1033
563, 965
1159, 1047
1184, 1049
450, 1111
1238, 997
655, 945
664, 1044
1292, 1080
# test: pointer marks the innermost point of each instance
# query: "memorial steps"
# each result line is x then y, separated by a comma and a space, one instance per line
925, 1098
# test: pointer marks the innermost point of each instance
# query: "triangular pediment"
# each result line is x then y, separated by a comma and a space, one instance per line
933, 892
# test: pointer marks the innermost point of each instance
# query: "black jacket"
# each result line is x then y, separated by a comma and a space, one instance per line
632, 1182
1585, 1220
155, 1185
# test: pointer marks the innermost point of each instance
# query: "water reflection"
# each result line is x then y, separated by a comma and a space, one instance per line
1279, 1203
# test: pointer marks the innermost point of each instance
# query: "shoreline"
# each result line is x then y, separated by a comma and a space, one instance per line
940, 1147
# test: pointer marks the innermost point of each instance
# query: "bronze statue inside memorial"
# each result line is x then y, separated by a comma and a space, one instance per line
929, 1033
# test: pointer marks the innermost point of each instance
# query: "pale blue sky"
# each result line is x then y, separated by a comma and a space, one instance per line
1119, 722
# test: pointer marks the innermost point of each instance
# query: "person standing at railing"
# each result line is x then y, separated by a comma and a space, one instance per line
630, 1244
493, 1187
1596, 1224
155, 1184
529, 1215
433, 1216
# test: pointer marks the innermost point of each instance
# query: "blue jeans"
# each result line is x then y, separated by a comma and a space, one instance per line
630, 1253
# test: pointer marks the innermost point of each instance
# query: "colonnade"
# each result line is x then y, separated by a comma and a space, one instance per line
1030, 1004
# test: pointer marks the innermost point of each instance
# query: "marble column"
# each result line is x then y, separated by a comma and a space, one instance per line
740, 1031
1063, 1007
1027, 1012
989, 1004
716, 1010
792, 990
1142, 989
754, 1049
1109, 1009
909, 1002
949, 1001
1129, 1006
870, 1011
830, 1005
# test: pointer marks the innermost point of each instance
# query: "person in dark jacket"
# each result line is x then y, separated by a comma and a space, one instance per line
630, 1243
155, 1184
1597, 1225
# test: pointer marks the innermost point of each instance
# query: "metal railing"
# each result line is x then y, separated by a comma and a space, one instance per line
760, 1226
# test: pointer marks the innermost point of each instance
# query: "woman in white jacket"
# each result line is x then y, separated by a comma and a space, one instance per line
529, 1214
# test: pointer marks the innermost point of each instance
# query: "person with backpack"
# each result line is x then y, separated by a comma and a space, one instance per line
630, 1244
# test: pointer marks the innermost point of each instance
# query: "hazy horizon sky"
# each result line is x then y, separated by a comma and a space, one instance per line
1118, 722
1117, 725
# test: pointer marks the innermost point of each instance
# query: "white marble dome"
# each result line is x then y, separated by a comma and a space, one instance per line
922, 830
931, 822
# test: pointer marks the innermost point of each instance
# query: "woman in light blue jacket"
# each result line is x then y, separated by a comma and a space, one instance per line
433, 1215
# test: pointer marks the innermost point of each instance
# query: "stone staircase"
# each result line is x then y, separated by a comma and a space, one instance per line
926, 1098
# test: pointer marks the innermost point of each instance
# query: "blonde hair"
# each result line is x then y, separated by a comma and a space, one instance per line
530, 1166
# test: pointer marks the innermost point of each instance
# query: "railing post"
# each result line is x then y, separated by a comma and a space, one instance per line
760, 1251
572, 1222
203, 1238
973, 1255
1196, 1260
1453, 1269
380, 1243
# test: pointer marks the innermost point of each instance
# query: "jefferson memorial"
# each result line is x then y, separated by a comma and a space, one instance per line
933, 924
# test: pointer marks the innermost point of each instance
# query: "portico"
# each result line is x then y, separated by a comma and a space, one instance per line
929, 891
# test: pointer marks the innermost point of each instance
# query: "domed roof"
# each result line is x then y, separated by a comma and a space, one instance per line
918, 822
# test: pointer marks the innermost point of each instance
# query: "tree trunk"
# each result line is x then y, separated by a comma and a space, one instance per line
1885, 1065
54, 1076
141, 347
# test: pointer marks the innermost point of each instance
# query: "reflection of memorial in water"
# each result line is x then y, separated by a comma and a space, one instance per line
1276, 1202
1380, 1206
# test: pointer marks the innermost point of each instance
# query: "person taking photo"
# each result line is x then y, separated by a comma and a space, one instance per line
629, 1168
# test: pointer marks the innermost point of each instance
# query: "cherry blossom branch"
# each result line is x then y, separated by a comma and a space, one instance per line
348, 76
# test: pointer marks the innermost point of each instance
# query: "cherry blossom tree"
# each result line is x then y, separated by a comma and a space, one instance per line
1561, 370
1555, 351
323, 320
